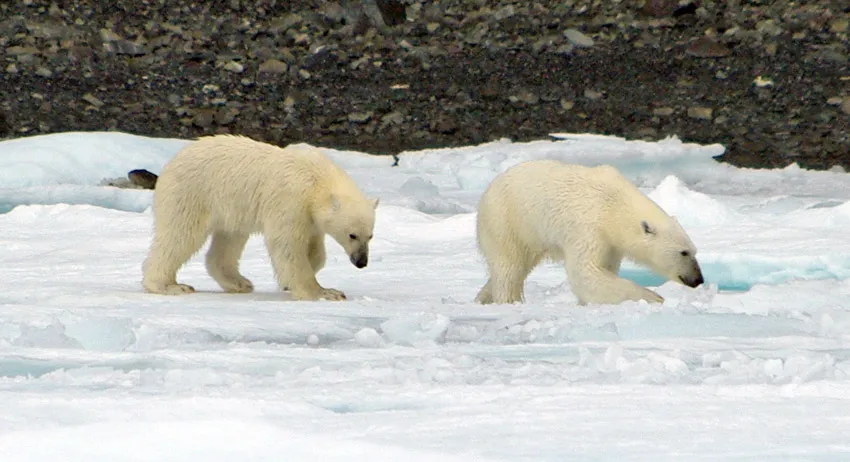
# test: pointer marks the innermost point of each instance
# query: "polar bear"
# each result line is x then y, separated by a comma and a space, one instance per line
590, 218
231, 187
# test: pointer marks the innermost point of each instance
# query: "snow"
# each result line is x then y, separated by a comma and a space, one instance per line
755, 365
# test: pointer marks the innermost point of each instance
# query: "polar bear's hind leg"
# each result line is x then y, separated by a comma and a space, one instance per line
172, 246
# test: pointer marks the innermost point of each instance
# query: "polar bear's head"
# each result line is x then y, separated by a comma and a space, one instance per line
350, 221
665, 247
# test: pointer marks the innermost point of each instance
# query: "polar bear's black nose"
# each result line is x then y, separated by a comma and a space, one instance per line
360, 261
692, 281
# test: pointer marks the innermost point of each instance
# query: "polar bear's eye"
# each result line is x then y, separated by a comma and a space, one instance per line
353, 237
685, 253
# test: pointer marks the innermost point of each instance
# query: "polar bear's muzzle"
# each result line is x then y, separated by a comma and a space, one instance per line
694, 278
360, 258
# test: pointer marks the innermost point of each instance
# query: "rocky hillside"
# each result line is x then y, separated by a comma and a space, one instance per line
767, 78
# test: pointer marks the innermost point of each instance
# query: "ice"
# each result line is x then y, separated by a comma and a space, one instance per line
691, 209
418, 187
130, 200
191, 441
754, 365
368, 337
424, 196
423, 328
67, 168
80, 158
53, 163
49, 336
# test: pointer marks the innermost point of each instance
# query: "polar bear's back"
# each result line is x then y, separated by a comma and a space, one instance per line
548, 201
235, 179
226, 160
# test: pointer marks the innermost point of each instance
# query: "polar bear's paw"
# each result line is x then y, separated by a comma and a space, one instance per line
179, 289
239, 285
332, 295
169, 289
320, 294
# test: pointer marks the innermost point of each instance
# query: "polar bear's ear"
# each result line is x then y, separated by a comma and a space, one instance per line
646, 228
375, 202
335, 203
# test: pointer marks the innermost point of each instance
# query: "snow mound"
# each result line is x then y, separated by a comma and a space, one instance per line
691, 208
80, 158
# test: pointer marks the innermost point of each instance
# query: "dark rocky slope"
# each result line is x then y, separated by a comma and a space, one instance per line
768, 79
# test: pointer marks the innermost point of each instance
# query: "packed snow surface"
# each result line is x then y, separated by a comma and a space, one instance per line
755, 365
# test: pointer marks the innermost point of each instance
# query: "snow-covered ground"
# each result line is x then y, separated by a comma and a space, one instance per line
753, 366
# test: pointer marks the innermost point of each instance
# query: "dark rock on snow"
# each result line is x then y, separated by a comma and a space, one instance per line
143, 178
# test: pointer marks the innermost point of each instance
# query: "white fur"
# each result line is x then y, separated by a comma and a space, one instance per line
588, 217
231, 187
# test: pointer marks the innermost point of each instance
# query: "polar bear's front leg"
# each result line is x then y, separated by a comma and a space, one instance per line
592, 273
317, 252
223, 261
291, 262
598, 286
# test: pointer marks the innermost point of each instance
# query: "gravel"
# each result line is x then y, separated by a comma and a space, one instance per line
770, 80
